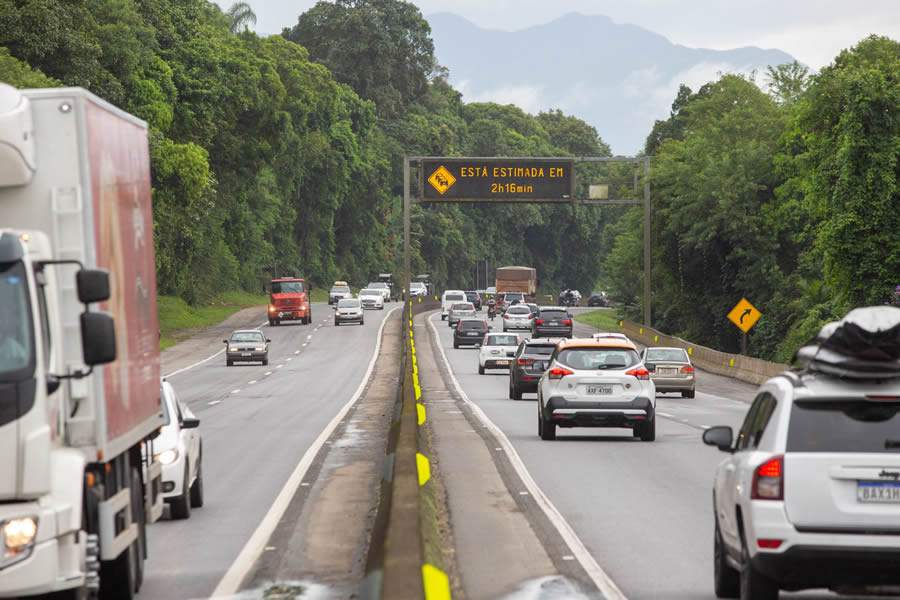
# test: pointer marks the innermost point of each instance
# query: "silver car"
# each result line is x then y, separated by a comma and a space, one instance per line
461, 310
348, 310
671, 370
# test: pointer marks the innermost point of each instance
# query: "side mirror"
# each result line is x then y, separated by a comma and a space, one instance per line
98, 338
224, 341
190, 423
268, 341
93, 285
721, 437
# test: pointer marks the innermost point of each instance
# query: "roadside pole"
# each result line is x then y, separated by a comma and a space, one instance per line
647, 245
407, 257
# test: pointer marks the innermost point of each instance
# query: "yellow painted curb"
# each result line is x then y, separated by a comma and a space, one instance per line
642, 330
730, 362
435, 583
420, 409
691, 351
423, 467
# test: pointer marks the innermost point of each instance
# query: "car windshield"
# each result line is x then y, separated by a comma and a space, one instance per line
514, 296
598, 358
454, 297
16, 347
369, 292
247, 336
378, 285
503, 339
844, 426
348, 303
341, 288
462, 306
472, 325
288, 287
554, 314
666, 355
165, 407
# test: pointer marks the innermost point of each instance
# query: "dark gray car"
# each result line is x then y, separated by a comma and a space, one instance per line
552, 321
247, 345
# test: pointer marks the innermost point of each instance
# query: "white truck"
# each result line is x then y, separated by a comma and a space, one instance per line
79, 347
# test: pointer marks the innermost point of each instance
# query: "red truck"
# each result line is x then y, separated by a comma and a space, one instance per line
289, 300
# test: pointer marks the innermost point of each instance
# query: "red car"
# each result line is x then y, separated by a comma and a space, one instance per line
289, 301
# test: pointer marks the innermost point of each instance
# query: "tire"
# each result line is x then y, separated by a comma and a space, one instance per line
197, 487
336, 323
689, 394
726, 579
265, 361
180, 507
514, 392
647, 431
753, 584
271, 323
480, 370
361, 322
546, 429
121, 578
504, 329
229, 363
276, 323
455, 346
443, 317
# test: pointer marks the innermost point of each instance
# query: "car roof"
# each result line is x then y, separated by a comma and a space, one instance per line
666, 348
283, 279
562, 308
601, 343
542, 341
246, 331
482, 321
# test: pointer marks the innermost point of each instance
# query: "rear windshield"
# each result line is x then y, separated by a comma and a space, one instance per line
554, 314
369, 292
844, 426
247, 336
288, 287
667, 354
519, 310
348, 303
503, 340
540, 350
454, 297
340, 288
462, 307
472, 325
598, 358
514, 296
378, 285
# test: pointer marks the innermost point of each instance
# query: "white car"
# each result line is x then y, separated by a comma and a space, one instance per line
417, 288
596, 383
371, 298
809, 493
382, 287
179, 448
497, 351
518, 316
349, 310
449, 298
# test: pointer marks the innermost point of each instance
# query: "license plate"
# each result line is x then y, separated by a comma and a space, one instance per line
667, 371
245, 353
472, 333
878, 492
502, 363
599, 390
553, 323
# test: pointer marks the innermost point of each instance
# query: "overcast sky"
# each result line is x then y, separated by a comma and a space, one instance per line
814, 31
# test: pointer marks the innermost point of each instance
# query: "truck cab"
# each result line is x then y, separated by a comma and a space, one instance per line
289, 301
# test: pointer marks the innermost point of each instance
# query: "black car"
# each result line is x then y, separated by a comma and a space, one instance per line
530, 362
598, 299
552, 321
474, 298
469, 332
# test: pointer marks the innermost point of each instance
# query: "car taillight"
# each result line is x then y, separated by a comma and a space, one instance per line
768, 480
559, 373
639, 373
769, 543
567, 322
524, 361
538, 321
687, 369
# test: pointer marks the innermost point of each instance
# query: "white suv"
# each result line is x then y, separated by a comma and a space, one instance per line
596, 383
809, 495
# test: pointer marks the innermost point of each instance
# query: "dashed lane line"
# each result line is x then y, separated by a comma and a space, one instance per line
237, 391
214, 402
251, 382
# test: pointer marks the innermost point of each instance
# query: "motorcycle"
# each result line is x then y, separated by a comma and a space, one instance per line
492, 310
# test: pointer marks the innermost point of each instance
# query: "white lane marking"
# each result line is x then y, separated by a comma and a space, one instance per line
603, 581
279, 366
267, 373
290, 359
705, 426
235, 391
304, 344
309, 337
662, 414
198, 363
251, 382
214, 402
296, 352
252, 550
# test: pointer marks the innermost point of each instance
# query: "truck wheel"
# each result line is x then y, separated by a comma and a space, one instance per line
443, 317
197, 488
180, 508
121, 577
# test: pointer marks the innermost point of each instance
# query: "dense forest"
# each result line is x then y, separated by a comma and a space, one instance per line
282, 154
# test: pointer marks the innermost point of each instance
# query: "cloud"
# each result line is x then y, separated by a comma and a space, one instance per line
529, 98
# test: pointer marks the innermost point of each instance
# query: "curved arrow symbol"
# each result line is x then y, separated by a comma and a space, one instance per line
747, 312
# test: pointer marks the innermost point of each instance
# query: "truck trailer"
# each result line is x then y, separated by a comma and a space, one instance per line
79, 347
516, 279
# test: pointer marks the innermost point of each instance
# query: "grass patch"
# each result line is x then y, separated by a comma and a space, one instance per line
178, 319
604, 319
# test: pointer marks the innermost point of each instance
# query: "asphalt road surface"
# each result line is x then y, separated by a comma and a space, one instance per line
256, 423
643, 510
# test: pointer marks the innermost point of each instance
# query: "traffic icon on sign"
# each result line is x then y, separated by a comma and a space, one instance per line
442, 180
744, 315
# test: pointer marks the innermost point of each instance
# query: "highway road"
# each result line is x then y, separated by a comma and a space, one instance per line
256, 422
643, 510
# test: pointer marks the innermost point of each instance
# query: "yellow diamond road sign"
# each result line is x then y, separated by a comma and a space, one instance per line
442, 180
744, 315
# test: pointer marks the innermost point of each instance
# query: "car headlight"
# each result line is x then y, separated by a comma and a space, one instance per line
167, 457
17, 538
272, 308
260, 348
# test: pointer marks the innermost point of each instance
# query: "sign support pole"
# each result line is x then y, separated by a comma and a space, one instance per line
744, 343
407, 257
647, 245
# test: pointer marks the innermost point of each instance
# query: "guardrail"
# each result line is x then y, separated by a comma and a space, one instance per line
738, 366
400, 565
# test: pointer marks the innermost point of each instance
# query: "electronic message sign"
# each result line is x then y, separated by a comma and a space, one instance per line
497, 179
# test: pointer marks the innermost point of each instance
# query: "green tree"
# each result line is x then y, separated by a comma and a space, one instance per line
242, 17
787, 81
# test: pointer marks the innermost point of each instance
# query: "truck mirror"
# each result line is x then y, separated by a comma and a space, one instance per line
93, 285
98, 338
